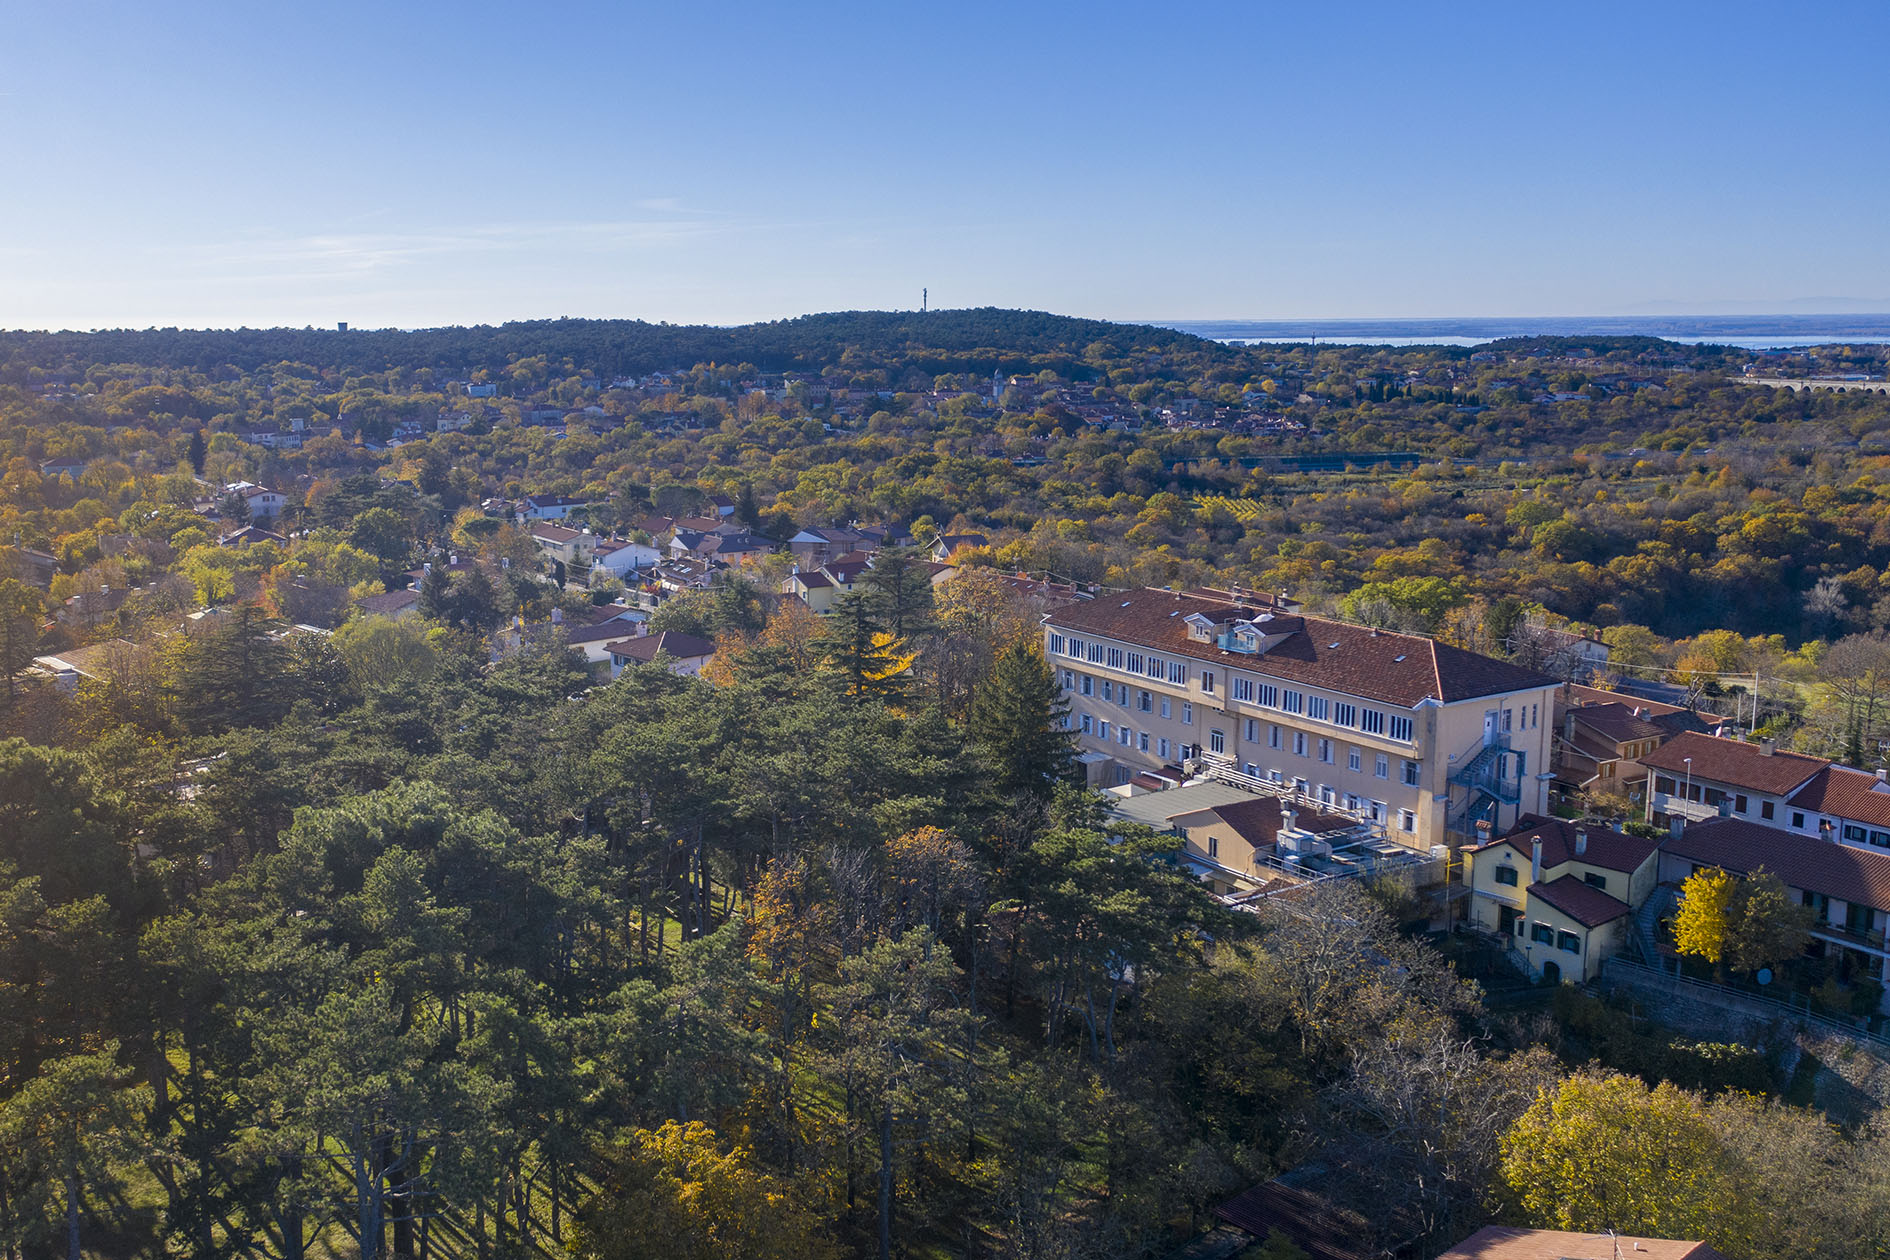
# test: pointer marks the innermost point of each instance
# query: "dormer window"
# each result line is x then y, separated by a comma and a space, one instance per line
1200, 628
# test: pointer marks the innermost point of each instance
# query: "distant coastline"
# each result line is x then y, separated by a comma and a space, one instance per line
1753, 332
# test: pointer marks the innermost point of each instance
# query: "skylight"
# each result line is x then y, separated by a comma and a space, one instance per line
1398, 657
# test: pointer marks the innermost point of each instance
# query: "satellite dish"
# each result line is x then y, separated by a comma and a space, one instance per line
1764, 975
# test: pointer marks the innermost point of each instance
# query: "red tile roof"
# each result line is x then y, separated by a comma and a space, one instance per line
674, 642
1734, 763
1616, 721
1610, 850
1505, 1242
1820, 866
1846, 793
1396, 669
1258, 821
1580, 901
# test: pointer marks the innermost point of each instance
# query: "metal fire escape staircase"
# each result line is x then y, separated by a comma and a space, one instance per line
1490, 781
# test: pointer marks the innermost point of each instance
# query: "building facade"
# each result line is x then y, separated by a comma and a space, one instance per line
1436, 744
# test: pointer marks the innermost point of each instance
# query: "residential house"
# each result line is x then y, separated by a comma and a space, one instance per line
1671, 718
1598, 746
67, 668
687, 653
65, 466
812, 587
249, 534
1697, 777
1847, 888
948, 545
481, 390
571, 547
88, 608
41, 566
1234, 839
1509, 1242
618, 557
395, 605
264, 504
722, 505
1561, 893
1437, 744
813, 547
548, 507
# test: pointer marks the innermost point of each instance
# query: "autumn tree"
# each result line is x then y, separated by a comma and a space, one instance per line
674, 1193
1744, 923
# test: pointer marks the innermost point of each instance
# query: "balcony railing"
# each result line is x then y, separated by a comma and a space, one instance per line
1843, 934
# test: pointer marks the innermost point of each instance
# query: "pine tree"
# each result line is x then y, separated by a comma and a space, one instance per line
747, 511
871, 663
1016, 719
196, 451
900, 586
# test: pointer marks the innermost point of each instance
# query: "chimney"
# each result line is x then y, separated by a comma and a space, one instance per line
1535, 860
1581, 843
1883, 776
557, 616
1767, 747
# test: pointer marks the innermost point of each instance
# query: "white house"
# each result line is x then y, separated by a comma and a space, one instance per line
616, 557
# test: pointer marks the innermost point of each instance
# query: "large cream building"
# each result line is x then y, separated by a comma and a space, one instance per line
1438, 744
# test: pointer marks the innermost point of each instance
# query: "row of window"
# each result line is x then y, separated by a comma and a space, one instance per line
1507, 875
1853, 833
1266, 695
1544, 934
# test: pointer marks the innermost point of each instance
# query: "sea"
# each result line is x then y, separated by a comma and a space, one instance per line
1748, 332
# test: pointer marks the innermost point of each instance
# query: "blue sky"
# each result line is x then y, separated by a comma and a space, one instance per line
416, 164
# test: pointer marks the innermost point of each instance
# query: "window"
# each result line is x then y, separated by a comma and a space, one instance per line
1881, 839
1292, 701
1316, 707
1269, 695
1096, 653
1207, 682
1167, 707
1371, 721
1163, 745
1187, 713
1401, 729
1177, 672
1382, 768
1087, 723
1506, 875
1243, 688
1214, 846
1407, 821
1145, 702
1410, 774
1122, 695
1345, 714
1765, 809
1056, 644
1854, 833
1115, 658
1089, 685
1135, 662
1252, 732
1069, 681
1542, 934
1157, 668
1568, 942
1299, 785
1325, 751
1217, 741
1534, 711
1125, 736
1299, 742
1596, 881
1798, 819
1739, 802
1354, 760
1102, 731
1377, 811
1273, 736
1109, 690
1506, 719
1076, 648
1144, 738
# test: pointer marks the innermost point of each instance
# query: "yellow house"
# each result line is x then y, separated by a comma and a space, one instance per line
1561, 893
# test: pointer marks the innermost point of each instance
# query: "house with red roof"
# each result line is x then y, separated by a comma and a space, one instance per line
1699, 777
1846, 886
1561, 893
